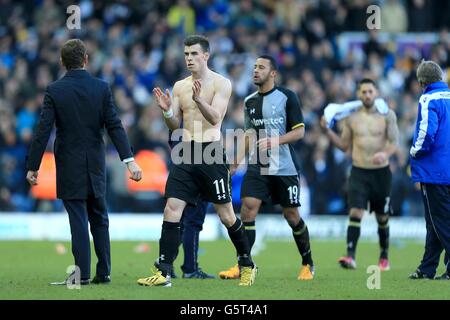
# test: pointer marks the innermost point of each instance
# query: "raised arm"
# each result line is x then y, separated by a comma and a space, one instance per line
170, 106
342, 142
215, 111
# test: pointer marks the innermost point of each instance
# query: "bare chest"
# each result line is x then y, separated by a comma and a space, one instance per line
368, 125
185, 95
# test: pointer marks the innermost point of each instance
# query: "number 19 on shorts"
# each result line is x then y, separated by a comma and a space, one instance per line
293, 194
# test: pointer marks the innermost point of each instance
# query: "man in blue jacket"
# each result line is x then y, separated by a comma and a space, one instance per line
430, 165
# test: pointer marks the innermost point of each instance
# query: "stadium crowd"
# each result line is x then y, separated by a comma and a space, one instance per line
135, 46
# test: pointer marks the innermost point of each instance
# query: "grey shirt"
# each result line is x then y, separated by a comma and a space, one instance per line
270, 114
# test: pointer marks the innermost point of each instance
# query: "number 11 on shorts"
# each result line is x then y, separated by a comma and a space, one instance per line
220, 195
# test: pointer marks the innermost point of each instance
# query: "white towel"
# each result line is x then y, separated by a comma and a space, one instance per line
334, 111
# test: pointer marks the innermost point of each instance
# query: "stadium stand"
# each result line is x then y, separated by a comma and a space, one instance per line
323, 48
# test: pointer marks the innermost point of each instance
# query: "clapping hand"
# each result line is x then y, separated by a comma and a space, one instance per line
164, 100
196, 87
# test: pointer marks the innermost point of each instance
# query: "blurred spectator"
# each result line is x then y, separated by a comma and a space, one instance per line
135, 46
181, 16
356, 16
393, 16
289, 13
420, 17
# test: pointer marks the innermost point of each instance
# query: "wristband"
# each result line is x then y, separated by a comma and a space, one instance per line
168, 114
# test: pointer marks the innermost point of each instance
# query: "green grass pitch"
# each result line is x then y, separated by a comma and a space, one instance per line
28, 266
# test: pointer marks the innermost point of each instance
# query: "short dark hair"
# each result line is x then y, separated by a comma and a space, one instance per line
73, 53
366, 81
197, 39
273, 62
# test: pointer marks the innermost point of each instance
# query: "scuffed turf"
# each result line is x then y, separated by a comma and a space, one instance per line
27, 267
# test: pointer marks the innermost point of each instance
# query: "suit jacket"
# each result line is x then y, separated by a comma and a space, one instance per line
82, 107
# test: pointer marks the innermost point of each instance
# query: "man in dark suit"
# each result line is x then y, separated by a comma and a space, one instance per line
81, 106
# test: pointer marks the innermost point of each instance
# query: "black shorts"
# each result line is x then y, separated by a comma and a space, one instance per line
192, 182
283, 190
371, 186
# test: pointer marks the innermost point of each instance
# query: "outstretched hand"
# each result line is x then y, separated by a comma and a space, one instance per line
164, 100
